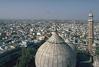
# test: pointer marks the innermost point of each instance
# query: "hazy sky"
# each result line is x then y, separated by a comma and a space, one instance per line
48, 9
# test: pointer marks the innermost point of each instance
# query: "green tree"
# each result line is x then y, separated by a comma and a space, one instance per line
27, 55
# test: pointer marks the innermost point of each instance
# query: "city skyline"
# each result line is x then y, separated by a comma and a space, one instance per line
48, 9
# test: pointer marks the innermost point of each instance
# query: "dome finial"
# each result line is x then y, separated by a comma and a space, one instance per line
54, 29
55, 26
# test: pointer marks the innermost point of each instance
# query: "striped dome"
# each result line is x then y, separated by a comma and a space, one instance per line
55, 53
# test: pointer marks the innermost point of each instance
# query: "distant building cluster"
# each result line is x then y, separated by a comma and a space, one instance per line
70, 36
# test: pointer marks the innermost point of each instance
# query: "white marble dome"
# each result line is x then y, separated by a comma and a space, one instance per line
55, 53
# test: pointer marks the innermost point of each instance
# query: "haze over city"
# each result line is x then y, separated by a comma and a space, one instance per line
49, 33
48, 9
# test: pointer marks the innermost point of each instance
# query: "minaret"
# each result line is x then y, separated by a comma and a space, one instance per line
90, 32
